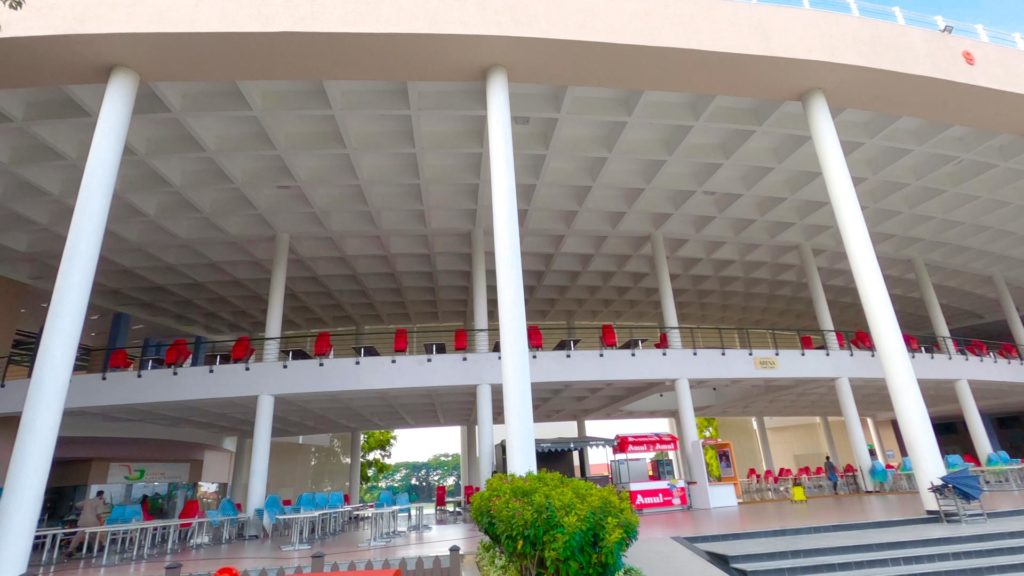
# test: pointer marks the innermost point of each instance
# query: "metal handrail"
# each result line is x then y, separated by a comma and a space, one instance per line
431, 340
897, 15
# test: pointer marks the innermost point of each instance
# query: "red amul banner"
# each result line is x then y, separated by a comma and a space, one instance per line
657, 498
640, 443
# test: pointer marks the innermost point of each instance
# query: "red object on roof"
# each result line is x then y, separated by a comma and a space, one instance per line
638, 443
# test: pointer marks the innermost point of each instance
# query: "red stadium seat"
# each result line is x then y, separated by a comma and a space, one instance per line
913, 345
119, 360
662, 342
242, 351
177, 354
461, 340
608, 337
401, 341
535, 337
1008, 351
322, 347
862, 341
977, 348
806, 343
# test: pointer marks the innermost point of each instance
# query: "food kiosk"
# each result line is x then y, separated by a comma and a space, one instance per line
649, 491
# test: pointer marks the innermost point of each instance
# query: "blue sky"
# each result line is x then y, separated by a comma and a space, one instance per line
1005, 15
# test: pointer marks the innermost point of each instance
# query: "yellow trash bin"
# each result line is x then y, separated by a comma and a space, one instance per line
797, 494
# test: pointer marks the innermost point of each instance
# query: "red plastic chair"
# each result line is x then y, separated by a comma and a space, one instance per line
401, 341
753, 475
177, 354
119, 360
322, 347
862, 341
535, 337
1008, 351
840, 340
819, 471
440, 501
608, 337
913, 345
461, 340
770, 477
189, 511
467, 494
889, 467
238, 506
662, 342
977, 348
806, 343
346, 499
286, 503
970, 459
242, 350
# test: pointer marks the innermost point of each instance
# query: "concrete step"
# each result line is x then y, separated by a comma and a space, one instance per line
971, 567
885, 543
925, 554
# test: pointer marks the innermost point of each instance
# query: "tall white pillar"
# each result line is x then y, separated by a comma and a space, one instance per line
972, 417
44, 404
904, 390
474, 464
480, 322
240, 470
844, 391
515, 355
975, 425
581, 431
876, 439
826, 435
1009, 310
259, 461
464, 462
669, 319
355, 469
931, 303
275, 299
485, 432
689, 436
762, 441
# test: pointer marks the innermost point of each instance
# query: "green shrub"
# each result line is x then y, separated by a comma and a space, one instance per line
549, 524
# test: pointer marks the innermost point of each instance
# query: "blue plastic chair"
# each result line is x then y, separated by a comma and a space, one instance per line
133, 513
1006, 460
335, 500
320, 499
878, 472
954, 462
227, 508
403, 503
273, 508
118, 515
386, 499
905, 466
306, 502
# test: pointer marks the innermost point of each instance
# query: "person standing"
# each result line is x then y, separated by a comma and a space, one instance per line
832, 473
91, 515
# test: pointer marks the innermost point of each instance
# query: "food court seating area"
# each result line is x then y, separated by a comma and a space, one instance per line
778, 485
399, 342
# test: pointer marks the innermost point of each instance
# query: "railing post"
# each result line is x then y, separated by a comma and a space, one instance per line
172, 569
825, 341
317, 565
774, 341
750, 343
693, 338
454, 561
801, 342
721, 340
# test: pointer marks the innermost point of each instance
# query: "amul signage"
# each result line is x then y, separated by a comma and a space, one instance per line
658, 498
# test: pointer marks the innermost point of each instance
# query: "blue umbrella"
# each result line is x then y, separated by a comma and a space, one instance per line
965, 484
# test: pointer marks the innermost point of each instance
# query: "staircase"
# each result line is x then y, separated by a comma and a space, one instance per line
895, 547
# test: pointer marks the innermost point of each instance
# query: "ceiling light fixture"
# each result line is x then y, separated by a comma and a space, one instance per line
521, 120
137, 326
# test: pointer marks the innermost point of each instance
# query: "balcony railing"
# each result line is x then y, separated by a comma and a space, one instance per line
456, 341
896, 15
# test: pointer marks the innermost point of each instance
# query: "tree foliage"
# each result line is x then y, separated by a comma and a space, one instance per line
550, 524
418, 479
707, 429
13, 4
376, 448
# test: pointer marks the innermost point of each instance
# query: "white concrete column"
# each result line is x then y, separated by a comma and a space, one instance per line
876, 439
762, 441
44, 404
904, 390
515, 355
844, 391
464, 462
474, 464
931, 303
259, 461
975, 425
669, 319
275, 299
854, 431
1009, 310
688, 432
355, 469
480, 322
240, 470
818, 300
826, 435
485, 432
581, 431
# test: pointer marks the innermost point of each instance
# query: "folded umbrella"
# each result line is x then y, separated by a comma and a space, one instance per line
965, 484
